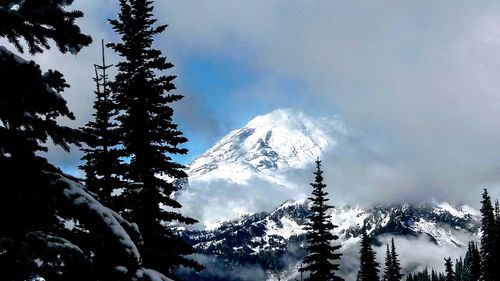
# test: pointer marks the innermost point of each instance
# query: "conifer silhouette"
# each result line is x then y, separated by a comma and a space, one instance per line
321, 257
149, 137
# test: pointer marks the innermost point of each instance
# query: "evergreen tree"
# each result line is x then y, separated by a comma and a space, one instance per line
425, 276
459, 270
29, 107
149, 137
395, 266
449, 270
320, 261
434, 276
369, 267
102, 163
467, 262
38, 203
488, 253
472, 263
30, 103
497, 237
101, 157
388, 265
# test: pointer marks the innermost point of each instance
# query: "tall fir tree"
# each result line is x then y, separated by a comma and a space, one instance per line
488, 239
392, 270
368, 266
460, 272
396, 265
497, 237
37, 200
472, 263
434, 276
467, 262
149, 137
388, 264
101, 156
448, 266
321, 259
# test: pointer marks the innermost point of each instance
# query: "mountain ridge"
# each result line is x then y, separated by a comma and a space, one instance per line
253, 239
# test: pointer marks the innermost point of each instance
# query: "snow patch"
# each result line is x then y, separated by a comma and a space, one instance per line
288, 228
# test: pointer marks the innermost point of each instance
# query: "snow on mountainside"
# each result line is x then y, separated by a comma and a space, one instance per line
274, 241
280, 140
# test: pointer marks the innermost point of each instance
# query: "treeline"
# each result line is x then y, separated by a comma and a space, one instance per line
479, 263
465, 269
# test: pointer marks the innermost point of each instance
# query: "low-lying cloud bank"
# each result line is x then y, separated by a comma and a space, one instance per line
415, 253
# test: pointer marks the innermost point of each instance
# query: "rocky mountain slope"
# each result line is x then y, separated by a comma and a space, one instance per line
272, 243
283, 139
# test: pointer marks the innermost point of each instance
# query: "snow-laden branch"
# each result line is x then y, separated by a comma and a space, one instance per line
77, 194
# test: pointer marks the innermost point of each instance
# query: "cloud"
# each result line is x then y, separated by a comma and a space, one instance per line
421, 79
413, 254
213, 201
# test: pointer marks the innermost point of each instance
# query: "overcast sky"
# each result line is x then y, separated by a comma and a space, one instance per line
420, 79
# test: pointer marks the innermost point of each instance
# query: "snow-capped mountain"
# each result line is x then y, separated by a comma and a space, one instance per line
269, 161
257, 167
272, 243
283, 139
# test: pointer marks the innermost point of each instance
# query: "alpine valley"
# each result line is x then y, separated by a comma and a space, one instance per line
255, 228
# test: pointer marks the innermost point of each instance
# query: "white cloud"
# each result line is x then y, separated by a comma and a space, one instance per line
213, 201
422, 78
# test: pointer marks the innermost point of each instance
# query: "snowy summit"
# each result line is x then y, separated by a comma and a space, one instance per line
280, 140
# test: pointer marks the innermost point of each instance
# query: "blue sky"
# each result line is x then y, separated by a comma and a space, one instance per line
221, 84
419, 77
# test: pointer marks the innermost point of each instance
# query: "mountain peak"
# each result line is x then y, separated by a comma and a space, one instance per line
281, 139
